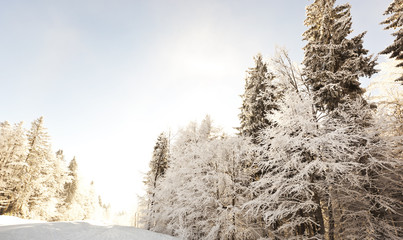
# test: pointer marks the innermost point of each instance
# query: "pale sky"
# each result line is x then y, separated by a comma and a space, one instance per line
109, 76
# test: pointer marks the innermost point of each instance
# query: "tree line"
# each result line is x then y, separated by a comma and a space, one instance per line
38, 183
314, 158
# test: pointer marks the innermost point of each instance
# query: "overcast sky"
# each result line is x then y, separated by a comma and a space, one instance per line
109, 76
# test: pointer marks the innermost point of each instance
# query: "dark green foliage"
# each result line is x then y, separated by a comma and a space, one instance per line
333, 63
395, 22
254, 102
158, 167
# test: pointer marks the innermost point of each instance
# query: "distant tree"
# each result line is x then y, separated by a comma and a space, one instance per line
333, 63
254, 106
168, 209
395, 21
158, 167
81, 201
387, 94
71, 187
59, 176
13, 150
33, 189
205, 187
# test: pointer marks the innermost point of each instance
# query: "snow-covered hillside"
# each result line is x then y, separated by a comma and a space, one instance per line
12, 228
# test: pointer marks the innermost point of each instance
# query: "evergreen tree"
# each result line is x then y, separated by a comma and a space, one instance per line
71, 187
254, 106
58, 176
326, 179
38, 161
42, 177
205, 187
158, 167
333, 63
395, 21
12, 155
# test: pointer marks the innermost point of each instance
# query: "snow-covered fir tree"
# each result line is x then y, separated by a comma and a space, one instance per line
333, 63
79, 198
13, 150
158, 167
395, 22
71, 187
326, 179
33, 188
207, 182
285, 195
254, 106
387, 94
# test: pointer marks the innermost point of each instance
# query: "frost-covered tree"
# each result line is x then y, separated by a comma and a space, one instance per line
333, 63
232, 177
41, 177
58, 176
367, 199
254, 106
69, 191
285, 194
12, 155
36, 183
158, 166
207, 182
71, 187
326, 178
80, 200
172, 191
387, 94
395, 22
33, 188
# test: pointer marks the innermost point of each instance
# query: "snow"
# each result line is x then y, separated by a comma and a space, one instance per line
13, 228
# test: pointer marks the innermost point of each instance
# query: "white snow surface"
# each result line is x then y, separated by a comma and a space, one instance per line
13, 228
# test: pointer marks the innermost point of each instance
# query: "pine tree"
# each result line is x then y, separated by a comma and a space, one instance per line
205, 186
326, 179
254, 106
71, 187
395, 21
158, 167
333, 63
12, 155
40, 177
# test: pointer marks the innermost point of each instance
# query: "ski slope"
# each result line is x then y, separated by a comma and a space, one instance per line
12, 228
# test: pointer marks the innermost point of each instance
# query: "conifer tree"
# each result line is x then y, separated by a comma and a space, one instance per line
205, 186
71, 187
395, 22
333, 63
158, 166
12, 155
40, 181
254, 105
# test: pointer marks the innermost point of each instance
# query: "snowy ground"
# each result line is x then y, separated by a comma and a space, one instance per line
12, 228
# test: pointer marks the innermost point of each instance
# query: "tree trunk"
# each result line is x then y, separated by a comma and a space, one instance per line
331, 220
319, 215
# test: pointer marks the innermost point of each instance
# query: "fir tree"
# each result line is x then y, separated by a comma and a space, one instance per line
71, 187
205, 187
254, 105
333, 63
38, 161
12, 155
395, 21
158, 166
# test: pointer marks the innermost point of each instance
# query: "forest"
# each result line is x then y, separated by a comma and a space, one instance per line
37, 183
315, 156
